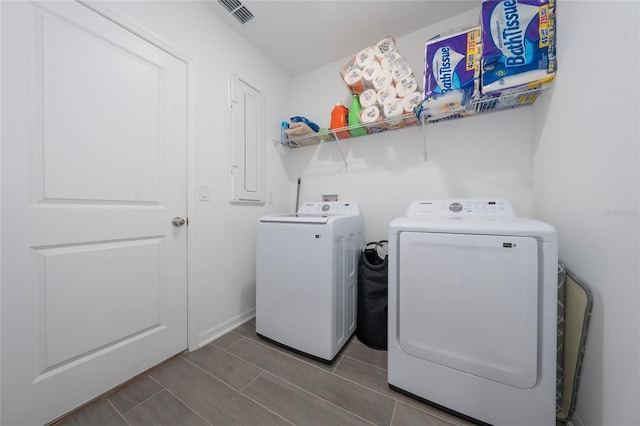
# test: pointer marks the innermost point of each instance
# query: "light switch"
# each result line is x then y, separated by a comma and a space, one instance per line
203, 193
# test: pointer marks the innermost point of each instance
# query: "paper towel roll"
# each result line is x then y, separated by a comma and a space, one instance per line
371, 117
406, 86
393, 108
370, 114
400, 69
393, 111
368, 98
386, 94
369, 72
410, 101
354, 80
388, 59
382, 79
365, 56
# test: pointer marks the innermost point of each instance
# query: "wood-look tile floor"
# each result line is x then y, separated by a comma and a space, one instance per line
240, 379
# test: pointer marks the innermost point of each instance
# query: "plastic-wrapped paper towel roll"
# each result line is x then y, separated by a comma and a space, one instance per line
388, 60
400, 69
371, 117
369, 72
365, 57
406, 86
382, 80
354, 80
396, 64
410, 101
386, 94
368, 98
370, 114
393, 111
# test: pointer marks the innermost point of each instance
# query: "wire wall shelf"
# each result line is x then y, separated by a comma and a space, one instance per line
422, 115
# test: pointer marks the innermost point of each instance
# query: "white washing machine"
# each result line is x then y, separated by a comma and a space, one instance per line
306, 277
472, 310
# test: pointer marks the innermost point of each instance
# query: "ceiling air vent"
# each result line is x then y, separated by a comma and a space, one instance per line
236, 8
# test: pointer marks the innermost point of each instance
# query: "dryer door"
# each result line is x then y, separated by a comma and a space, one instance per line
470, 302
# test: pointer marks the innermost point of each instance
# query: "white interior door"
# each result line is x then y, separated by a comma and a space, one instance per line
94, 170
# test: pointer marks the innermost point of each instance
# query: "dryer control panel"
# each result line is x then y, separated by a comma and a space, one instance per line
464, 207
329, 208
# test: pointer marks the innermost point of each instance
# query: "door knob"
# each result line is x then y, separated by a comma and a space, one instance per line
178, 221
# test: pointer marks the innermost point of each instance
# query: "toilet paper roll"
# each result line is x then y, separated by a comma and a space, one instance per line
406, 85
393, 112
354, 80
382, 79
365, 57
370, 114
385, 94
371, 117
386, 62
369, 72
410, 101
393, 108
400, 69
368, 98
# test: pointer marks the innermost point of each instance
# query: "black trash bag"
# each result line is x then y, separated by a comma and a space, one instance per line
373, 272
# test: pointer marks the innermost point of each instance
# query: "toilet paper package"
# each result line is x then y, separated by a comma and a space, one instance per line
377, 67
452, 68
386, 85
518, 43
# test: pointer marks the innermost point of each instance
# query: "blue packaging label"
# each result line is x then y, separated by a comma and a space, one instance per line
443, 65
509, 23
452, 64
518, 42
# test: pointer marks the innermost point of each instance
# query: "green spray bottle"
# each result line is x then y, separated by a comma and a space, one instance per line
354, 117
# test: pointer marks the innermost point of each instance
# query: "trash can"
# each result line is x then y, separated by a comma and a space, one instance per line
373, 272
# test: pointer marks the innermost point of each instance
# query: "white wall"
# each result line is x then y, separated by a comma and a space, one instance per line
583, 177
221, 236
484, 156
586, 184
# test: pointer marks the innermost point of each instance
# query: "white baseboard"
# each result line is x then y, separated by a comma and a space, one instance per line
212, 334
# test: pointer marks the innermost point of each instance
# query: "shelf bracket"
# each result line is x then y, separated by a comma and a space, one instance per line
279, 146
424, 141
344, 160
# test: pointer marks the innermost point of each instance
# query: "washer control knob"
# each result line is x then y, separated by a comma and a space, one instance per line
455, 207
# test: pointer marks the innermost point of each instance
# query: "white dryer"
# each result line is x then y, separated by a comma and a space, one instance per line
306, 277
472, 310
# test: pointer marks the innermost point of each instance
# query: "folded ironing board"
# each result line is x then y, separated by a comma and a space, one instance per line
573, 318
